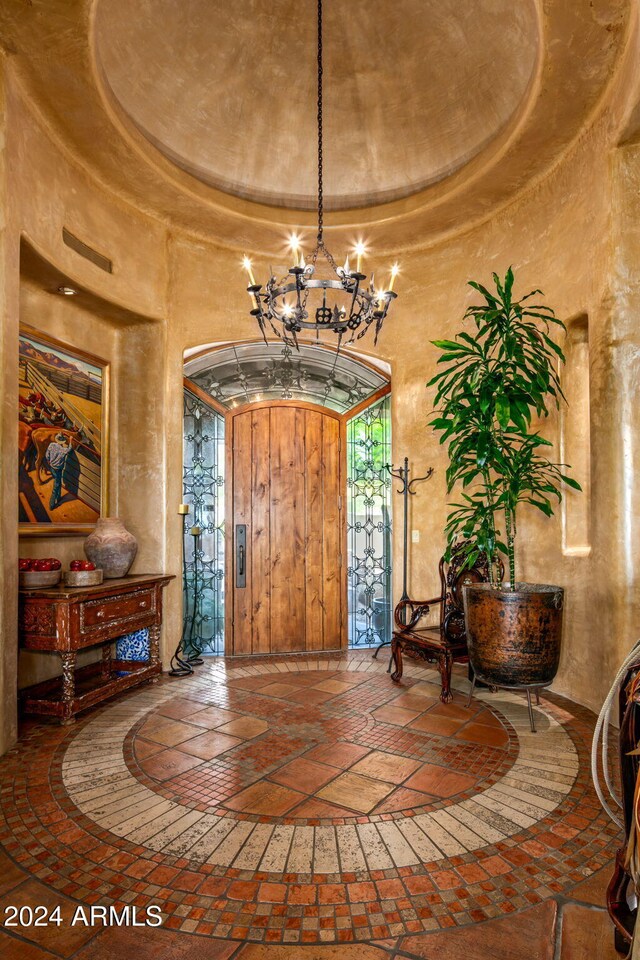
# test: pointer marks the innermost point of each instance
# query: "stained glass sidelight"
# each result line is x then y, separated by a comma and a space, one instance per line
203, 490
369, 525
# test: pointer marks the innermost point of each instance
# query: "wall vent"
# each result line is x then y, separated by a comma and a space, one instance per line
86, 251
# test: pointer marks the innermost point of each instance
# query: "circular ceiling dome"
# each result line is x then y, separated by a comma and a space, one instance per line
413, 89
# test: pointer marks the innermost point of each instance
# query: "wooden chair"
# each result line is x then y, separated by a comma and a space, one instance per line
446, 642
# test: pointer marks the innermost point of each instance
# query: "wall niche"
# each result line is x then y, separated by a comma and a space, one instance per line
575, 439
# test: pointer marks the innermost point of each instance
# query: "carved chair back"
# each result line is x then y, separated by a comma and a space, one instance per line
453, 579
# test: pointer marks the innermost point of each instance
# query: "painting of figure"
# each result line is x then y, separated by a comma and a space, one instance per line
62, 436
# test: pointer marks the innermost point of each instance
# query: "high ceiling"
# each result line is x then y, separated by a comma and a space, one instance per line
227, 91
202, 112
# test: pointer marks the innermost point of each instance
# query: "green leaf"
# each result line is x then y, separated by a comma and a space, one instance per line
446, 344
483, 450
485, 293
571, 482
503, 410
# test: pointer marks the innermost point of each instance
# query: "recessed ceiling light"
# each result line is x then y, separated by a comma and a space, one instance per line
67, 291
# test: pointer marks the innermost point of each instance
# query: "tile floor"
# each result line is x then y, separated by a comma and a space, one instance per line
310, 808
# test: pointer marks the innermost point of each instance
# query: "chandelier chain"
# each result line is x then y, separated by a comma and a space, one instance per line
344, 302
320, 156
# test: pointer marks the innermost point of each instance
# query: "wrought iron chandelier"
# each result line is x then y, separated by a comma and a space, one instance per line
342, 302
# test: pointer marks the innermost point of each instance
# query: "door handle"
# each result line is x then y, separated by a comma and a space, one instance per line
241, 554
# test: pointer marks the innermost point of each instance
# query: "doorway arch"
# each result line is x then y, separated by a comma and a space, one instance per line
229, 386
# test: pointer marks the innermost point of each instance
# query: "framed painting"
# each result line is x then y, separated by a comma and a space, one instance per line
63, 437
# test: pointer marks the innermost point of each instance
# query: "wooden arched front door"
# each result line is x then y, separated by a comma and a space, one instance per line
286, 535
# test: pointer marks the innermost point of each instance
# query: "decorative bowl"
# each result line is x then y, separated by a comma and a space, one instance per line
32, 579
83, 578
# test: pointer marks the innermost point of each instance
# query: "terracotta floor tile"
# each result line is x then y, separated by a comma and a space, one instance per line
355, 792
414, 701
265, 798
439, 781
424, 688
145, 748
250, 683
307, 679
454, 711
483, 733
403, 799
180, 708
441, 726
342, 755
313, 809
147, 943
10, 874
594, 889
291, 869
345, 951
386, 766
353, 679
209, 745
586, 934
305, 775
212, 717
399, 716
311, 697
485, 716
14, 949
277, 689
168, 764
245, 727
528, 934
166, 731
64, 939
333, 686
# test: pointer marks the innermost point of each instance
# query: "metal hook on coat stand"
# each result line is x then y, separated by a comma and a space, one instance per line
402, 474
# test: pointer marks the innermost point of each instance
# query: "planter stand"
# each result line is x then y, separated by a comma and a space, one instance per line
536, 687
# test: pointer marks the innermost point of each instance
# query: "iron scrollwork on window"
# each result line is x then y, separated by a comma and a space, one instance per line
369, 525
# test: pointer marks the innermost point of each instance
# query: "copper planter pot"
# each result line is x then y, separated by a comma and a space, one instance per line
514, 636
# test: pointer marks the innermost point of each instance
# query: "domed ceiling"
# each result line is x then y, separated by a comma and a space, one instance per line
414, 89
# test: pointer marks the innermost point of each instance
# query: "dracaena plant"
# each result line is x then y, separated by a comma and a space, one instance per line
497, 382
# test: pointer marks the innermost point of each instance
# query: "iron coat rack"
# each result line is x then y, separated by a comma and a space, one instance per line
402, 474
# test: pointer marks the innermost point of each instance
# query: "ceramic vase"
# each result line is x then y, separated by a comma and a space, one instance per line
111, 547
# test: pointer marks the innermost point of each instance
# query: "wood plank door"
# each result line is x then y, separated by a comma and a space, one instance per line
285, 489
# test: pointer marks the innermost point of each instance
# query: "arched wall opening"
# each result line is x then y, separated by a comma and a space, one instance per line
287, 543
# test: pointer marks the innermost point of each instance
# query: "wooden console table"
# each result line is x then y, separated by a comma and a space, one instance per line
65, 620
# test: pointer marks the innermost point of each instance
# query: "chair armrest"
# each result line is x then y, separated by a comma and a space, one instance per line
413, 611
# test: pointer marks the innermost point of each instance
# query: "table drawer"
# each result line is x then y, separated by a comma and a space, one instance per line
124, 610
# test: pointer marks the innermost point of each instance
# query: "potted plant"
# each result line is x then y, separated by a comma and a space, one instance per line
498, 382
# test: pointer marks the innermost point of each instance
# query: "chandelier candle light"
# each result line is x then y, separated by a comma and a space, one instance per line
342, 302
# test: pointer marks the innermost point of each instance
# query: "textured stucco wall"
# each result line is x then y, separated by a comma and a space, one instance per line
9, 291
574, 234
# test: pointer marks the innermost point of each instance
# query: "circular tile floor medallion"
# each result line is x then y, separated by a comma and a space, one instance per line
308, 800
320, 746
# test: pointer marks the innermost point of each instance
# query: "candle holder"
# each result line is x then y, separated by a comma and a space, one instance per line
188, 652
180, 666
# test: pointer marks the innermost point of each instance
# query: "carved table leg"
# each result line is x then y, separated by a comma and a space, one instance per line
68, 686
445, 662
154, 647
396, 654
106, 661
